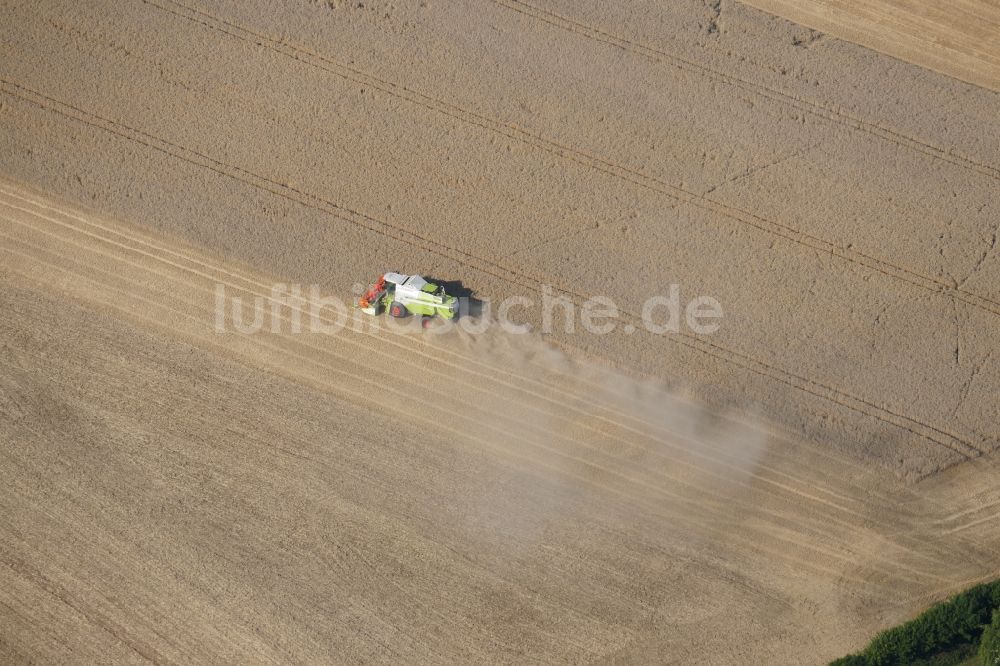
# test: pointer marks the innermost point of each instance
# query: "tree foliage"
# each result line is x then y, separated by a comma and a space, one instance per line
958, 621
989, 643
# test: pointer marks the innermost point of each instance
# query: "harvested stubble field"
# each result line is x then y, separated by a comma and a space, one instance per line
822, 466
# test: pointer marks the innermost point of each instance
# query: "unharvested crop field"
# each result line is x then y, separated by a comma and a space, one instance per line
822, 466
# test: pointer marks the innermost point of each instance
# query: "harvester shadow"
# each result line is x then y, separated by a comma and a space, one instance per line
469, 305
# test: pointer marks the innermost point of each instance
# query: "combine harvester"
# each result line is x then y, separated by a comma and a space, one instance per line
405, 295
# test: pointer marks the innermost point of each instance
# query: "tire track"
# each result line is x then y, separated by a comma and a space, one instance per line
973, 523
747, 362
676, 193
814, 108
966, 518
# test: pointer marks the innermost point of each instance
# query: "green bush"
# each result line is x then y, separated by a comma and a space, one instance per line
946, 626
989, 644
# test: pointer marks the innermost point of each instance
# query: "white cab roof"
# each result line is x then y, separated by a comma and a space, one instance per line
416, 282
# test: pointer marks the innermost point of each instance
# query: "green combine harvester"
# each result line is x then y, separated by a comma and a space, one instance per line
405, 295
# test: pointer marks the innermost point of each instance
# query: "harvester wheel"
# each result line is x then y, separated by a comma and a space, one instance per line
397, 310
425, 321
